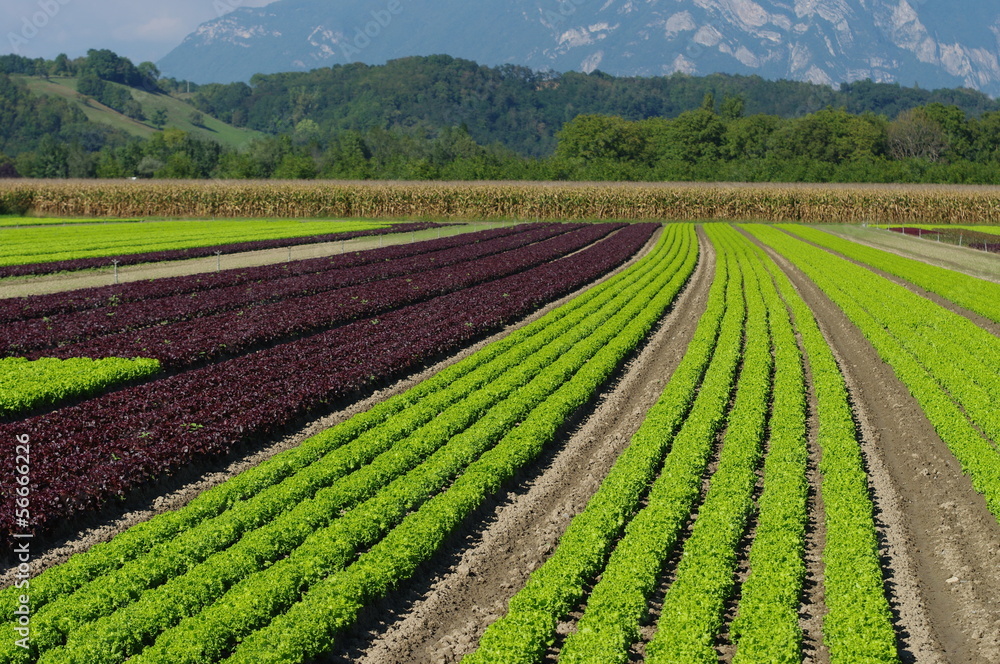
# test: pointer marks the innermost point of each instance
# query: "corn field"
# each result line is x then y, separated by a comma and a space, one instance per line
501, 200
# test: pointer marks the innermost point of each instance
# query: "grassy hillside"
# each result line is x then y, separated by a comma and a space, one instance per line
178, 112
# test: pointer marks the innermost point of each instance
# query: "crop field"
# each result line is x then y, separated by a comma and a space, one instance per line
46, 250
575, 442
55, 221
529, 201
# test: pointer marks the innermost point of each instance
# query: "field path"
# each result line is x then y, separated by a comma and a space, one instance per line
972, 262
939, 542
67, 281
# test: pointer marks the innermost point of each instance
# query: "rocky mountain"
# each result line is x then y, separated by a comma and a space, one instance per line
928, 42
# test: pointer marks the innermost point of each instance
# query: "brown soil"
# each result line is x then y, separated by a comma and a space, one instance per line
174, 492
940, 544
469, 590
66, 281
813, 607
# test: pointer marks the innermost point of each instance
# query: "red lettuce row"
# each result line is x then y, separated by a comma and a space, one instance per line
38, 306
203, 340
103, 448
35, 334
197, 252
962, 236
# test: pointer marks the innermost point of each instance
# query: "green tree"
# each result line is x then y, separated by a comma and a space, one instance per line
749, 137
159, 118
92, 86
79, 162
108, 166
831, 136
149, 70
295, 167
179, 166
61, 66
708, 102
348, 157
692, 137
732, 108
7, 167
955, 124
601, 137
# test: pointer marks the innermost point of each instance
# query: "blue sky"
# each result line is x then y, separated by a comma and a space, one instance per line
136, 29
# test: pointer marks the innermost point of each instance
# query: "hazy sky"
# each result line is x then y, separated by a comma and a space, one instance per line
138, 29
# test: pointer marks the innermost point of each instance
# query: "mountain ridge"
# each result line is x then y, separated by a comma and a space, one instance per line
821, 41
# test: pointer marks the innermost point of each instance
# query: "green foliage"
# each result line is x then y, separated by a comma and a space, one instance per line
974, 294
108, 66
20, 246
27, 385
597, 137
766, 627
524, 109
158, 118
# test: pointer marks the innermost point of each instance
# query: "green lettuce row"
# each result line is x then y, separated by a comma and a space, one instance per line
977, 455
618, 602
386, 417
964, 358
692, 611
766, 627
37, 245
858, 624
26, 385
974, 294
311, 626
523, 634
123, 632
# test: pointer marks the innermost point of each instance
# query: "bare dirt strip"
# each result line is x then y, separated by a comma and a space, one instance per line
440, 615
940, 544
973, 262
175, 491
66, 281
813, 607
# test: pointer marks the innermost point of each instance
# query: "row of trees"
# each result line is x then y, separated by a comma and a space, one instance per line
100, 64
934, 143
524, 109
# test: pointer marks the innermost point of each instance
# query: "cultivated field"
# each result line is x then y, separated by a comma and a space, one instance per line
533, 442
552, 201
